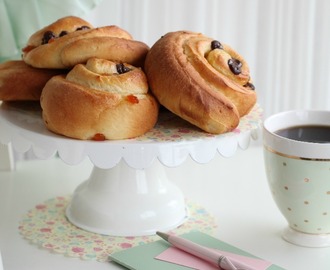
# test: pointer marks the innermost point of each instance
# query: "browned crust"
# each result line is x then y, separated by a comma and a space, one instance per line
110, 48
81, 112
19, 81
68, 23
50, 55
108, 42
184, 81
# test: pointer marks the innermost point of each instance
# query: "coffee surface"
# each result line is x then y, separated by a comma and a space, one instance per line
315, 134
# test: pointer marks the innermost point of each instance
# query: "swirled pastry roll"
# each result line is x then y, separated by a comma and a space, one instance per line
101, 100
71, 40
19, 81
201, 80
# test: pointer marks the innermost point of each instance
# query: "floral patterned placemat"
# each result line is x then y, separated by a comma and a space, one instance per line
47, 226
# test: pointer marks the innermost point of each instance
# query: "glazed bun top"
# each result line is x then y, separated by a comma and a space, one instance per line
201, 80
71, 40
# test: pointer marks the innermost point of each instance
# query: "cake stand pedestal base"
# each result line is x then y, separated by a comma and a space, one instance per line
123, 201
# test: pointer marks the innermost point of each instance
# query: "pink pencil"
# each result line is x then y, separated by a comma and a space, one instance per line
204, 253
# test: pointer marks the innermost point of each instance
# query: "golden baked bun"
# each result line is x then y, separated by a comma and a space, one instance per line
100, 100
19, 81
71, 40
201, 80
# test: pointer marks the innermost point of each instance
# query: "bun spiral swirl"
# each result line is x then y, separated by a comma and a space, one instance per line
201, 80
71, 40
99, 100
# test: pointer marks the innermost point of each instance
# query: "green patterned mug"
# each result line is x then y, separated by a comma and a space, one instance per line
297, 163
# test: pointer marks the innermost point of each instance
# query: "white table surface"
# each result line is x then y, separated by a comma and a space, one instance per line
234, 190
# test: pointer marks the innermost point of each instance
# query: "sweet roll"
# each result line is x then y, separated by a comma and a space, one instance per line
99, 100
201, 80
19, 81
71, 40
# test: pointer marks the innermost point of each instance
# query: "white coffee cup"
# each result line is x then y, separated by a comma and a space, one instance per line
298, 174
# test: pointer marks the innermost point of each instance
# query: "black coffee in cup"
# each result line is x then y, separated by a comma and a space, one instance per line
310, 133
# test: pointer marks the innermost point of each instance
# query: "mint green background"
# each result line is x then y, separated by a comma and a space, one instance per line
19, 19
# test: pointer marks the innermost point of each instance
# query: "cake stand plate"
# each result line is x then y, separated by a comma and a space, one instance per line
128, 192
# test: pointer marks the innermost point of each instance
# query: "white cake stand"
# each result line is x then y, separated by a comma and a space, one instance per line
128, 192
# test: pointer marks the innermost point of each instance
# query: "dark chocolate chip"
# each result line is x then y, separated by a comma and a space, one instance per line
63, 33
216, 45
235, 66
48, 35
121, 68
249, 85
